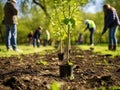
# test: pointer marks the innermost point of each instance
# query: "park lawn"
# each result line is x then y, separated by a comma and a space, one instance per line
102, 48
25, 50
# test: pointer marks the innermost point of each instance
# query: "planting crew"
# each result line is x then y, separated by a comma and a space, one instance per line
111, 22
80, 39
46, 37
30, 38
10, 22
92, 27
36, 37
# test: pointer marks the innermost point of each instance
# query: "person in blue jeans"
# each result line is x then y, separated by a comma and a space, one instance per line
36, 37
111, 22
10, 21
92, 27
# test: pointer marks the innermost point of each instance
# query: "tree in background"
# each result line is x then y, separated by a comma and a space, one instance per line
40, 12
2, 32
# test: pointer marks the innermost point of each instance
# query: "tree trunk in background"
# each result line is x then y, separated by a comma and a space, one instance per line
42, 5
1, 36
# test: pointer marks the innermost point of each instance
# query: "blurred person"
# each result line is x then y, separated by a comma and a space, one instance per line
46, 38
80, 39
10, 22
30, 38
36, 37
111, 22
92, 27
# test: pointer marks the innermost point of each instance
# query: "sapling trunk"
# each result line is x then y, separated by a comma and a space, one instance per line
61, 47
68, 44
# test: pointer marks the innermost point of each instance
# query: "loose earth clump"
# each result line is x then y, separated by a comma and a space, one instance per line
92, 71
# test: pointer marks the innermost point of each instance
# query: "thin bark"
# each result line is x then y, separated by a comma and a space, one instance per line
43, 7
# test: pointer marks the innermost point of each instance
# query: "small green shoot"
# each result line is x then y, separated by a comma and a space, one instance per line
92, 56
102, 83
68, 88
42, 62
105, 62
55, 86
102, 88
21, 60
70, 63
80, 56
98, 63
112, 56
114, 88
110, 88
71, 77
106, 70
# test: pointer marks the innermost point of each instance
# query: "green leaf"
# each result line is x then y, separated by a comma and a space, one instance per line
72, 22
66, 21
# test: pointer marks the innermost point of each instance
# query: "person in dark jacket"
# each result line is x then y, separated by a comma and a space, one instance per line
36, 37
30, 38
10, 21
111, 22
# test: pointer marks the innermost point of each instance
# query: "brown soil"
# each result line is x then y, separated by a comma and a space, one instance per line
91, 71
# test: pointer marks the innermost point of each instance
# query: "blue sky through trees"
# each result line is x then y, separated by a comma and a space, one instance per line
93, 6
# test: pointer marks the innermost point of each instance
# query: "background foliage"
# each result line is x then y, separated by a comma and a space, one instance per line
50, 15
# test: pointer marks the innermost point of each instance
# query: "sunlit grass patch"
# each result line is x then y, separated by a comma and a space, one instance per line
26, 50
101, 48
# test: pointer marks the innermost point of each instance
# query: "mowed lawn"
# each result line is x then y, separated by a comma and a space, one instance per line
103, 49
25, 50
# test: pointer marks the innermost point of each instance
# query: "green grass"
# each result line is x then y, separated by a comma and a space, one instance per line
102, 48
26, 50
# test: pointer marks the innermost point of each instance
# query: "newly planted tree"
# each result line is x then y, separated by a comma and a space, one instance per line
64, 13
